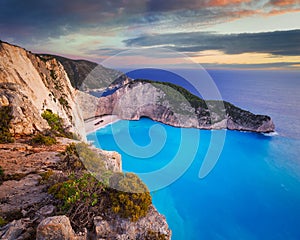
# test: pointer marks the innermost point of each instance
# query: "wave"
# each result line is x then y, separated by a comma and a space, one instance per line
271, 134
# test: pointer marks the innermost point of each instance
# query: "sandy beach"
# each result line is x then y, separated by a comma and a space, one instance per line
94, 124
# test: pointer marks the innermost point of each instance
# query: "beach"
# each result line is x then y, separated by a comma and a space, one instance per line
96, 123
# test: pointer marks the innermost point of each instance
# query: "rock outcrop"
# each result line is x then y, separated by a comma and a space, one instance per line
32, 84
57, 227
173, 105
30, 210
153, 226
149, 227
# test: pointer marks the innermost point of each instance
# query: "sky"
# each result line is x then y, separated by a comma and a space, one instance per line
235, 34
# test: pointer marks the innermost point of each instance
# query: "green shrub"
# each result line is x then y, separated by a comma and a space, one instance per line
71, 161
131, 199
1, 175
41, 139
46, 176
56, 124
5, 118
3, 222
85, 189
81, 199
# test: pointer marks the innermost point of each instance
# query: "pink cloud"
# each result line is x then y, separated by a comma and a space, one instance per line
215, 3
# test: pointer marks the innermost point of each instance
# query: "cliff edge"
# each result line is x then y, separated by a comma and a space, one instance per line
174, 105
52, 187
30, 85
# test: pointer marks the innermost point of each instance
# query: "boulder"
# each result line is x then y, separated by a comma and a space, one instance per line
56, 228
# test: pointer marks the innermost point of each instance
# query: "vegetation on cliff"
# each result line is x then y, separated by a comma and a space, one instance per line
131, 199
56, 124
86, 75
43, 139
181, 93
209, 114
5, 118
1, 175
82, 195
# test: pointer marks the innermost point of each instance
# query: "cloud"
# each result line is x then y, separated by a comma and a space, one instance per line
284, 2
284, 43
269, 66
38, 20
173, 5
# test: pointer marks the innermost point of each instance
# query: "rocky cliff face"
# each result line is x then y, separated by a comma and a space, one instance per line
28, 210
175, 106
31, 84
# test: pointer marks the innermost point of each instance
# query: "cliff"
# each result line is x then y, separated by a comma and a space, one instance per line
173, 105
38, 175
89, 76
30, 85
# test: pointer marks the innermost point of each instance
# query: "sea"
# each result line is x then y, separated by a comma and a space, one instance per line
253, 189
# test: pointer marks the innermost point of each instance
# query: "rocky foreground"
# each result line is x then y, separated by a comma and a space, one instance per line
28, 211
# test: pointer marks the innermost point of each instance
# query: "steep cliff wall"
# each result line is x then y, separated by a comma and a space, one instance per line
31, 84
175, 106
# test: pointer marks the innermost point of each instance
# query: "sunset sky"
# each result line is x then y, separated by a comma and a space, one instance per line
263, 34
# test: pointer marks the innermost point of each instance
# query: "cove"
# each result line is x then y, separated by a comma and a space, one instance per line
253, 192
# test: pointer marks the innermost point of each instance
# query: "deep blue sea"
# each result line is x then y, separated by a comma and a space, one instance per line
253, 192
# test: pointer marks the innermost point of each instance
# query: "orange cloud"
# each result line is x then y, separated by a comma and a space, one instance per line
284, 2
282, 11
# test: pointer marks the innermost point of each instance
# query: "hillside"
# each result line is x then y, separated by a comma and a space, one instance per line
86, 75
174, 105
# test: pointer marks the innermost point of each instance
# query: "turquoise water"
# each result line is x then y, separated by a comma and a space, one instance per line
253, 192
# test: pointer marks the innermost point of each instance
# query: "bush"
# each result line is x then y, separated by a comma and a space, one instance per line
131, 199
94, 162
56, 124
5, 118
84, 189
1, 175
71, 161
80, 199
3, 222
46, 176
41, 139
